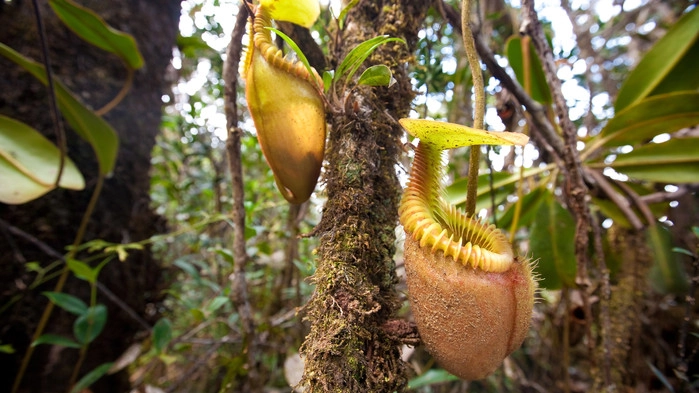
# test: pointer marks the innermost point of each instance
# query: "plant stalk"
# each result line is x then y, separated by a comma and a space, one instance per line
479, 111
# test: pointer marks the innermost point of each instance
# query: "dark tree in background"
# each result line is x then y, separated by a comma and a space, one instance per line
123, 213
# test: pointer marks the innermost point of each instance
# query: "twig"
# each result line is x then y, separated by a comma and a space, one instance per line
604, 304
200, 362
120, 95
659, 197
620, 202
233, 148
576, 191
50, 251
55, 117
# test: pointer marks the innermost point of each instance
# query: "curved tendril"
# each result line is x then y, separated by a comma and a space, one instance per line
436, 224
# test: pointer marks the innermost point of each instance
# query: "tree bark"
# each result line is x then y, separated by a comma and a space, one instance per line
352, 346
123, 213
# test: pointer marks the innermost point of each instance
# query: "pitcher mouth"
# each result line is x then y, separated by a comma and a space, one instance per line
440, 226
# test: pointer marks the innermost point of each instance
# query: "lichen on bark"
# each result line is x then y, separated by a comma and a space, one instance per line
348, 348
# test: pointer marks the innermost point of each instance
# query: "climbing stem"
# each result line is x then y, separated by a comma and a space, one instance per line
479, 111
43, 322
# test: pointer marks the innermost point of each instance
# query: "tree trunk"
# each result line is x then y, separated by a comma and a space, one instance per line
354, 345
123, 213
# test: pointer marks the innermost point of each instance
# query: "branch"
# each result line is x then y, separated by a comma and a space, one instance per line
536, 110
233, 148
50, 251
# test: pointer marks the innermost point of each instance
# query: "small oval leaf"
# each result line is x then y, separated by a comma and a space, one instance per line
162, 334
377, 75
89, 325
67, 302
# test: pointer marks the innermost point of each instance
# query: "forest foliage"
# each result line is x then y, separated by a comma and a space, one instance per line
629, 90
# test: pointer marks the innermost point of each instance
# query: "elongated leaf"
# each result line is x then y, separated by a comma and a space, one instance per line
449, 135
67, 302
529, 207
89, 325
431, 377
553, 244
91, 377
93, 29
655, 115
343, 13
82, 270
54, 339
667, 274
674, 161
660, 62
33, 163
528, 69
456, 192
301, 12
358, 54
97, 132
162, 334
377, 75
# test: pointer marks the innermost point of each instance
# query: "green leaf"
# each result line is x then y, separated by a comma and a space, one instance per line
327, 80
358, 54
667, 274
36, 159
377, 75
655, 115
7, 348
455, 193
217, 303
162, 334
529, 206
431, 377
54, 339
675, 161
82, 270
67, 302
343, 13
528, 69
16, 187
295, 48
553, 244
91, 377
93, 29
89, 325
445, 135
92, 128
661, 61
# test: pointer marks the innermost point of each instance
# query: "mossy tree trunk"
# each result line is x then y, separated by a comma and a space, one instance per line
123, 213
353, 346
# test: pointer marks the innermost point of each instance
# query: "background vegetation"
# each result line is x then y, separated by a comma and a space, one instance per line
605, 197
